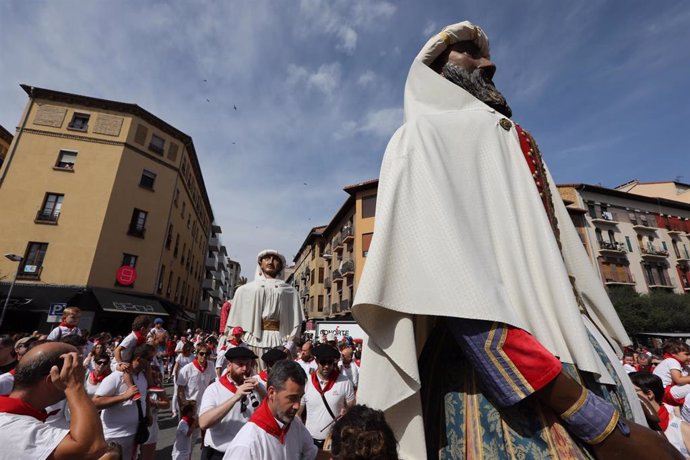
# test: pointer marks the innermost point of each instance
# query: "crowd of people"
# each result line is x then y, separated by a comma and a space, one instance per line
72, 395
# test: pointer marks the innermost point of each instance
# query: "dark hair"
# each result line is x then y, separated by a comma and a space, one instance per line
649, 382
285, 370
143, 351
363, 434
74, 339
30, 372
6, 340
102, 357
188, 407
141, 321
673, 347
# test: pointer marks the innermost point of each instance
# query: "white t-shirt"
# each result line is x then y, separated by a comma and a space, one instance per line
352, 373
61, 332
253, 443
182, 449
61, 417
179, 346
128, 345
317, 414
23, 436
219, 436
194, 381
309, 367
6, 383
663, 370
120, 420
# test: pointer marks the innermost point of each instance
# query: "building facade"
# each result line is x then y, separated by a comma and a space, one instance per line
671, 190
217, 286
5, 141
633, 240
106, 205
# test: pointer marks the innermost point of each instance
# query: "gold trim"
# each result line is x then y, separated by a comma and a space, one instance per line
267, 325
577, 405
489, 352
607, 431
443, 35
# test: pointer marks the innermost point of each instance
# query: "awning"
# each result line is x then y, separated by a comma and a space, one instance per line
124, 303
37, 298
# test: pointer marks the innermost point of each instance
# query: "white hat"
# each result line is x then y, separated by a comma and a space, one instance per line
455, 33
330, 337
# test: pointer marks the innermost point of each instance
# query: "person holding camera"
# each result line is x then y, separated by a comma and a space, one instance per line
228, 403
48, 373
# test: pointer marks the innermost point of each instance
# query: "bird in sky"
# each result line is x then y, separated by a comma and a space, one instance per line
234, 107
208, 100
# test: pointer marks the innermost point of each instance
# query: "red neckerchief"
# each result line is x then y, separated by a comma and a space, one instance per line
664, 417
198, 366
263, 418
227, 383
669, 355
358, 362
67, 326
17, 406
264, 375
140, 337
13, 371
329, 383
96, 379
235, 342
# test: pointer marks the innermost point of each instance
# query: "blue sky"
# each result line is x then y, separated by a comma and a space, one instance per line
603, 86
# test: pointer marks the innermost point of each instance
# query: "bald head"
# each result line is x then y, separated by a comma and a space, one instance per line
37, 362
306, 351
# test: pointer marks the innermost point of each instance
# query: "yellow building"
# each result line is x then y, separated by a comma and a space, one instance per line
89, 186
5, 141
671, 190
330, 261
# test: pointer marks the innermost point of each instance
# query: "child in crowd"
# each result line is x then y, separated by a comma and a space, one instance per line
125, 351
68, 326
629, 363
672, 373
182, 449
184, 358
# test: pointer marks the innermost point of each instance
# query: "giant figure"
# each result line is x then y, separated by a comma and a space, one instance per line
483, 313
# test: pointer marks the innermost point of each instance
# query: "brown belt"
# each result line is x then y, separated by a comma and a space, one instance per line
270, 325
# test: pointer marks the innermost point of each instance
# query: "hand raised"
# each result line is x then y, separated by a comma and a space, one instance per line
70, 374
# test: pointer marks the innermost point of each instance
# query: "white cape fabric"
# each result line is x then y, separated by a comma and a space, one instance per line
461, 232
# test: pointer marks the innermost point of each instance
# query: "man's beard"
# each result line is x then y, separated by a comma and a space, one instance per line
478, 86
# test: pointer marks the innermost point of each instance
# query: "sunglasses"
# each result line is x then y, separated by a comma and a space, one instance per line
202, 353
101, 363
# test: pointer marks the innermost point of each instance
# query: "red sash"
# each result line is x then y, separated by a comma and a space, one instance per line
140, 337
264, 375
198, 366
227, 383
96, 379
263, 418
329, 383
235, 342
17, 406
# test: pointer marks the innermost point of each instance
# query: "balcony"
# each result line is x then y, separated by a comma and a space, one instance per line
605, 218
213, 244
644, 227
47, 216
208, 285
612, 247
345, 305
347, 234
651, 252
211, 263
304, 292
137, 231
338, 244
30, 272
337, 276
327, 283
335, 308
347, 268
661, 286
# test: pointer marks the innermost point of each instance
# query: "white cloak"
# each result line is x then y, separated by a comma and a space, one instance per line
461, 232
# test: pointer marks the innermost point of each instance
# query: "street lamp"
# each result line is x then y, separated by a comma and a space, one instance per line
13, 258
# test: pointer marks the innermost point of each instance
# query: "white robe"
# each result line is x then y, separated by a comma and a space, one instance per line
266, 300
461, 232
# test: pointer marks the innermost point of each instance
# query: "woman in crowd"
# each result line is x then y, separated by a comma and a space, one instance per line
94, 377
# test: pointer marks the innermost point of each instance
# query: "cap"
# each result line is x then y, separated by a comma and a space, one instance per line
239, 353
237, 330
322, 352
273, 355
158, 321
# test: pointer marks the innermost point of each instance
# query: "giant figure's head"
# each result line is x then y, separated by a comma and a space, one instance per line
271, 264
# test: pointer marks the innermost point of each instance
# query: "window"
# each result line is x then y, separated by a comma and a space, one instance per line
157, 144
612, 236
129, 260
627, 241
177, 245
168, 239
169, 290
368, 206
366, 242
80, 121
321, 273
161, 276
597, 232
184, 205
137, 226
50, 210
147, 180
66, 160
177, 196
312, 278
32, 264
320, 303
184, 248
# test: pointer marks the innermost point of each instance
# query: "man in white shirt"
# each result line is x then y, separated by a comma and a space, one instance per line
236, 341
120, 420
306, 359
348, 367
328, 394
274, 433
48, 373
195, 377
228, 403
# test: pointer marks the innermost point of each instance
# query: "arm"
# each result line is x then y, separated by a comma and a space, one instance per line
85, 438
678, 378
181, 391
103, 402
213, 416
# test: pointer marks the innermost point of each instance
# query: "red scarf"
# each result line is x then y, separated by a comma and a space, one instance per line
198, 366
96, 379
663, 417
235, 342
669, 355
189, 421
13, 371
329, 383
140, 337
17, 406
227, 383
264, 375
263, 418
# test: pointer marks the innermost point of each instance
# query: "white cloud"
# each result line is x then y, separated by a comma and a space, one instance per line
367, 79
325, 79
380, 123
430, 29
348, 39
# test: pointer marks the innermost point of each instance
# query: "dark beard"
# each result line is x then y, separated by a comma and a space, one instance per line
478, 86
